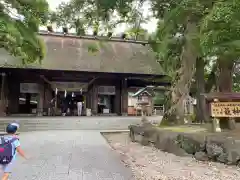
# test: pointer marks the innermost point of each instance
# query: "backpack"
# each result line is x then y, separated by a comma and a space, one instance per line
6, 150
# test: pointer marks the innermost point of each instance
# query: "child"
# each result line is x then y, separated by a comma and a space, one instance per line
8, 147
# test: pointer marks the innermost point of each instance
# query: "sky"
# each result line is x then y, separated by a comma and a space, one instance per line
150, 26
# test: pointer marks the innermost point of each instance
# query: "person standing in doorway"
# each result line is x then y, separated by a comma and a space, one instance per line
79, 105
52, 107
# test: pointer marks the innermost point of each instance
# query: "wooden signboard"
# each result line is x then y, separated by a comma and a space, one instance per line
225, 109
29, 88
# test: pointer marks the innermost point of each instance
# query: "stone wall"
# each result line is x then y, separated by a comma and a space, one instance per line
204, 146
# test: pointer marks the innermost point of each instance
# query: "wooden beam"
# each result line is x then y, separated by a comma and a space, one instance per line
45, 79
72, 89
92, 81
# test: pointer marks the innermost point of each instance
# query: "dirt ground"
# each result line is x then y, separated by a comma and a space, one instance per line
149, 163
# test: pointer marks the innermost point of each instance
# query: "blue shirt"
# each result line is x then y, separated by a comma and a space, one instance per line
15, 144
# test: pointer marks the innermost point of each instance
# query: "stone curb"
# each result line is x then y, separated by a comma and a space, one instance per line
113, 131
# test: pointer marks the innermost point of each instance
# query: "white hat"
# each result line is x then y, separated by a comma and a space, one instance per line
15, 124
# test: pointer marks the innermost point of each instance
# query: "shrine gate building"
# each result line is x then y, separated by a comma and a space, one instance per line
95, 68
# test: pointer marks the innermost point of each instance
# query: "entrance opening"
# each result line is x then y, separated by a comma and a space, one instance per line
106, 104
28, 103
67, 103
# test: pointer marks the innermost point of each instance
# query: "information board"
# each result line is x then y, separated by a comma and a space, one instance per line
225, 109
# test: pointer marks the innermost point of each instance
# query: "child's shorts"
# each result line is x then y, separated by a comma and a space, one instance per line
7, 168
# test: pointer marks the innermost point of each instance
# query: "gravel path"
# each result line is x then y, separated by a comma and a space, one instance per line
149, 163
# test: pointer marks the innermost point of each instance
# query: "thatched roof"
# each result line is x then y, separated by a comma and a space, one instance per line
77, 54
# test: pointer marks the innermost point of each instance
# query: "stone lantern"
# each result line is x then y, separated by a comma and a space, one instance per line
144, 104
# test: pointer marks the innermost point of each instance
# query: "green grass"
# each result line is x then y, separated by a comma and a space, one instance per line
182, 128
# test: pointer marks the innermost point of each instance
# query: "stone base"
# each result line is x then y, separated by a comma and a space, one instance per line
216, 147
216, 125
232, 123
201, 156
124, 114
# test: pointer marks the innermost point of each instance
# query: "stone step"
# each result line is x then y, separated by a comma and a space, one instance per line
64, 123
63, 129
30, 129
69, 123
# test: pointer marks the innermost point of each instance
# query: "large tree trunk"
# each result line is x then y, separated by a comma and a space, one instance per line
183, 79
174, 109
211, 81
225, 85
201, 113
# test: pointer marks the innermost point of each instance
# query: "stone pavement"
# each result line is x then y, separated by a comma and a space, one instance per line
68, 155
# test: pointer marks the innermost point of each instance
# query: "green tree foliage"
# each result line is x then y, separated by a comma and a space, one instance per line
220, 33
19, 22
208, 29
236, 77
137, 33
99, 15
159, 98
220, 30
179, 33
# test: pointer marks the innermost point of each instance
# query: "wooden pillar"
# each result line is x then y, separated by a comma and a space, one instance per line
124, 97
48, 95
3, 98
14, 92
118, 98
3, 86
94, 99
88, 99
28, 103
41, 100
56, 99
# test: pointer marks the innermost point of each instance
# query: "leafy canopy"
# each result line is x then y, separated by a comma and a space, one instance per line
19, 22
98, 14
220, 30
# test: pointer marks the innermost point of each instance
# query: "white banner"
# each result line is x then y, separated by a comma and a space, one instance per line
29, 88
